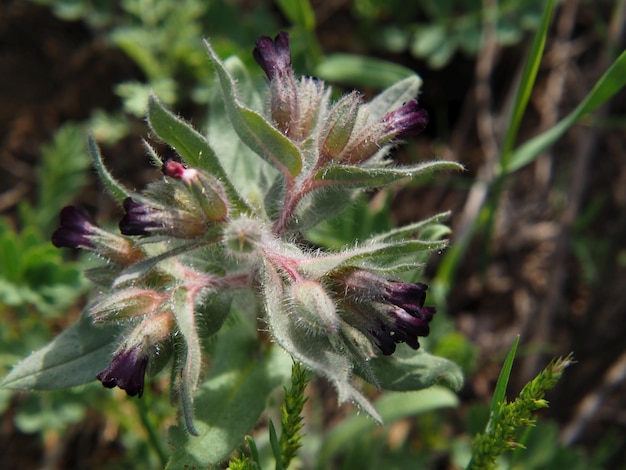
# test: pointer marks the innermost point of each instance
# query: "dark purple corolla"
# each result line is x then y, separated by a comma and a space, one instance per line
388, 312
76, 228
408, 120
139, 218
402, 317
274, 56
126, 371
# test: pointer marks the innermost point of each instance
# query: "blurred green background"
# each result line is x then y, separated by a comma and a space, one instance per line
541, 245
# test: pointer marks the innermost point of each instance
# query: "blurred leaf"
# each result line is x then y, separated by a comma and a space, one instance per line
428, 39
356, 223
72, 358
62, 173
47, 412
32, 272
613, 80
299, 12
392, 407
361, 71
529, 74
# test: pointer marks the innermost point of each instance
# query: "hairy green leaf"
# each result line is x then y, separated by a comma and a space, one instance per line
72, 358
191, 146
229, 403
414, 370
358, 177
253, 129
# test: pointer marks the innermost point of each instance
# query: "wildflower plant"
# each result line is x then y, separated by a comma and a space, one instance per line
219, 243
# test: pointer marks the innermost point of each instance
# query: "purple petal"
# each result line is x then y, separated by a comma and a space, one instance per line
126, 371
408, 120
76, 227
274, 56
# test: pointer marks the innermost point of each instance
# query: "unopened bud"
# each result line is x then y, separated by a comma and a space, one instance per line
205, 189
314, 308
338, 127
128, 303
79, 230
142, 219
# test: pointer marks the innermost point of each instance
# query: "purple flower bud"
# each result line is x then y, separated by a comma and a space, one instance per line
273, 56
129, 364
139, 218
407, 120
126, 371
173, 169
76, 228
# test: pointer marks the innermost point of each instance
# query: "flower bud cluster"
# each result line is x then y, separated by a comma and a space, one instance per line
193, 234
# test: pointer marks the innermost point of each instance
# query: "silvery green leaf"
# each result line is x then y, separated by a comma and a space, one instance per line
72, 358
370, 256
320, 206
321, 353
405, 231
230, 401
253, 129
184, 312
191, 146
363, 177
414, 370
394, 97
113, 186
251, 175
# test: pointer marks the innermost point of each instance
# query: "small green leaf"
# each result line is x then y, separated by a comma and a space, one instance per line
275, 444
72, 358
191, 146
362, 70
414, 370
499, 394
114, 187
253, 129
405, 231
428, 39
359, 177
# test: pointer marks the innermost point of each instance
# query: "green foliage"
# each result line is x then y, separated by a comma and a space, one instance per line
291, 419
508, 419
32, 273
436, 30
